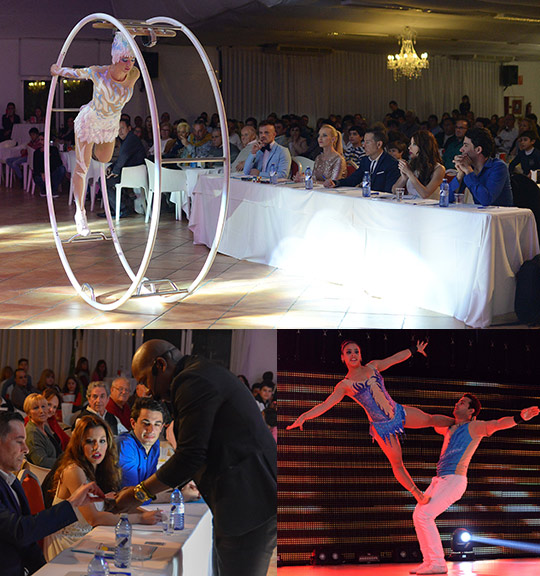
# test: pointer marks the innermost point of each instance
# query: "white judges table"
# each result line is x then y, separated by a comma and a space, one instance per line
459, 261
185, 553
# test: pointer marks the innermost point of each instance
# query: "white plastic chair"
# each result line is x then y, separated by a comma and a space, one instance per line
135, 177
5, 144
303, 163
171, 181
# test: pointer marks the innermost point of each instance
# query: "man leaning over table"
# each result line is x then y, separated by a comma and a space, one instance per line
382, 167
19, 529
224, 445
265, 152
486, 178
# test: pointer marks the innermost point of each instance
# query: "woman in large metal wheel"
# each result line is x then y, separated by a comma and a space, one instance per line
96, 125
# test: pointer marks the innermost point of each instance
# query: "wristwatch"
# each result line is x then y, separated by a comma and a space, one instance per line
141, 493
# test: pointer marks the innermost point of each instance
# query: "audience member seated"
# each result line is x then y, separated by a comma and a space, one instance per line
354, 150
141, 391
177, 148
82, 371
234, 135
281, 133
453, 146
249, 137
525, 125
19, 530
381, 166
433, 124
447, 134
98, 397
397, 149
506, 136
330, 164
265, 152
298, 145
46, 380
21, 389
15, 162
199, 141
397, 112
422, 176
67, 134
148, 135
528, 156
43, 447
410, 125
73, 388
54, 401
138, 131
131, 154
118, 404
264, 396
9, 382
138, 450
8, 119
100, 371
90, 456
487, 178
217, 147
58, 170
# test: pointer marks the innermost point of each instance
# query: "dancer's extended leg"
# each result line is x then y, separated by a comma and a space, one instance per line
415, 418
392, 450
83, 154
104, 152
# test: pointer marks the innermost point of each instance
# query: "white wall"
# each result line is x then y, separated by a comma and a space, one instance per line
182, 89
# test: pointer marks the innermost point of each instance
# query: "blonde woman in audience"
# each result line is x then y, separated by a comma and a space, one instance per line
91, 455
176, 148
43, 446
422, 176
330, 163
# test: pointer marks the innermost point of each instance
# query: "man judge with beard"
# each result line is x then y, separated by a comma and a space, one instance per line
224, 445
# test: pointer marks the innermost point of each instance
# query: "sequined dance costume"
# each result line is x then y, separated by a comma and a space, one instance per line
98, 121
386, 416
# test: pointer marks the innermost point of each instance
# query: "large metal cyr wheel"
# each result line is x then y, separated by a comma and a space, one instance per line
139, 285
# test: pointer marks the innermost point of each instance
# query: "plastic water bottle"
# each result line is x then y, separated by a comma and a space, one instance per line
366, 185
308, 177
122, 551
98, 565
273, 174
444, 198
176, 519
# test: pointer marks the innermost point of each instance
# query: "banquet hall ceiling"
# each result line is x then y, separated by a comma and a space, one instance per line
490, 29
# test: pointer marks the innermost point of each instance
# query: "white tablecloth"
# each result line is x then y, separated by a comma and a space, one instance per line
458, 261
185, 553
183, 198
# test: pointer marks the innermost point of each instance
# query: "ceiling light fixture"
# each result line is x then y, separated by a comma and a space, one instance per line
407, 63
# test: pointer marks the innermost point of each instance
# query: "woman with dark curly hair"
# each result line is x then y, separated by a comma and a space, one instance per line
423, 174
91, 455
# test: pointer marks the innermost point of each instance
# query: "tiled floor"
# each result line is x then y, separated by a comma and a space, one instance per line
36, 293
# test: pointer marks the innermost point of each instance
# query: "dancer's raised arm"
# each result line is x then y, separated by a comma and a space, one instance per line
398, 357
80, 73
332, 400
511, 421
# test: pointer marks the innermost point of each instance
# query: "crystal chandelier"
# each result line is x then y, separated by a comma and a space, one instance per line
407, 62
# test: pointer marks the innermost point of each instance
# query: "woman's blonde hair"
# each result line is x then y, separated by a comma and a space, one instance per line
30, 401
338, 142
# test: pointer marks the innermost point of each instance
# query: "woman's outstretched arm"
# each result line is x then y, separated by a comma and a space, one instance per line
332, 400
381, 365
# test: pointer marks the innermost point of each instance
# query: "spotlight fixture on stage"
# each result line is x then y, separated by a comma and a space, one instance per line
406, 554
462, 545
321, 556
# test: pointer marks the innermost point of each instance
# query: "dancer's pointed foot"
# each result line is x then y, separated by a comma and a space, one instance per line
81, 223
421, 498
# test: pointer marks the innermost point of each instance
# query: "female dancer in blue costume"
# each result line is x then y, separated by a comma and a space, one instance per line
96, 125
365, 385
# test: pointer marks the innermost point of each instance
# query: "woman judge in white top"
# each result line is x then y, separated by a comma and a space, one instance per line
422, 176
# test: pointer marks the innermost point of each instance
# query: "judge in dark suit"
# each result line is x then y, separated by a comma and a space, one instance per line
382, 167
265, 152
20, 530
131, 154
223, 445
